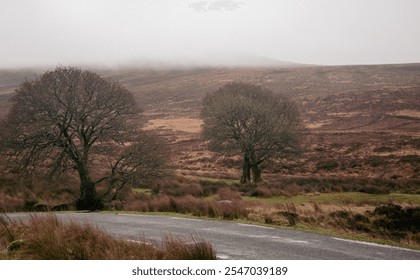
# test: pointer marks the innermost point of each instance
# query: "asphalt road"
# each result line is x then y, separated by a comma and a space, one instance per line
233, 240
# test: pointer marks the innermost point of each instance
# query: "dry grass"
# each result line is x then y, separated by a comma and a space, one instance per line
302, 206
392, 222
49, 239
188, 204
228, 193
178, 186
190, 125
312, 202
17, 194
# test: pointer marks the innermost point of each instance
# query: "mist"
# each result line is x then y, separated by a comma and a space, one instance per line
207, 33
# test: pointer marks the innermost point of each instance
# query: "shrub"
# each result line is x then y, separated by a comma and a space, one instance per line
291, 217
349, 221
413, 159
228, 193
393, 217
263, 192
177, 187
383, 149
376, 161
326, 165
212, 186
231, 211
248, 188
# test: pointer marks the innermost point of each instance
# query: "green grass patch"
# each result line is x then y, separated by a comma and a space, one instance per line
230, 182
142, 191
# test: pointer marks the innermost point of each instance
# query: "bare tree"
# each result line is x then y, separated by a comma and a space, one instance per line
144, 158
65, 118
251, 121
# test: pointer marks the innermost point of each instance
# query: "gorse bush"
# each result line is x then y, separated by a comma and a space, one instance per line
391, 221
393, 217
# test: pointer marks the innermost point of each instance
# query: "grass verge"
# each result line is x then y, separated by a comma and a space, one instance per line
48, 239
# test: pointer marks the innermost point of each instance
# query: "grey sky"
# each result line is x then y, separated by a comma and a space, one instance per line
109, 32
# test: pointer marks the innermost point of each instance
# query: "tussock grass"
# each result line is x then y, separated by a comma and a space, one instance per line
48, 239
190, 205
228, 194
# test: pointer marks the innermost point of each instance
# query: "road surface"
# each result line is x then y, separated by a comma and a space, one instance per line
233, 240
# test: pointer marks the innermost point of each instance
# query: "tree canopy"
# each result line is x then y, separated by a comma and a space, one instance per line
251, 121
67, 117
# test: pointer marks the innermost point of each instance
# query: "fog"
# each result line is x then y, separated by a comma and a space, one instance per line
201, 33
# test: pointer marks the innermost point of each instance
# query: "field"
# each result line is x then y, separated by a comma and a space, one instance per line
358, 172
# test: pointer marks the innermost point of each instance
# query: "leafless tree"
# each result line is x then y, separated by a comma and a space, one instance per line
252, 121
65, 118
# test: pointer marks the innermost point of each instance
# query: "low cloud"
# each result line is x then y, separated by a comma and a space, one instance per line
220, 5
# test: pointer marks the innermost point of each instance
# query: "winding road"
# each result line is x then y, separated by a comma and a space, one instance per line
233, 240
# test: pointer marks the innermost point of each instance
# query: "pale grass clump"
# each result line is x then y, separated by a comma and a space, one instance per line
46, 238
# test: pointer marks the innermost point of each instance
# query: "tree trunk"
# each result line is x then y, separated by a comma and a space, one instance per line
88, 199
246, 170
255, 168
256, 173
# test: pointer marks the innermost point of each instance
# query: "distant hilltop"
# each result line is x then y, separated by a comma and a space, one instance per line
213, 60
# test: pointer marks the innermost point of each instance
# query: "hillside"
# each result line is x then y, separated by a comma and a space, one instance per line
361, 120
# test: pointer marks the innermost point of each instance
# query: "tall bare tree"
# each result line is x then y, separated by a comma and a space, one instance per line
68, 116
252, 121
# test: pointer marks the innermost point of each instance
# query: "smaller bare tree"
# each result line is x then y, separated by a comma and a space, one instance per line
143, 159
252, 121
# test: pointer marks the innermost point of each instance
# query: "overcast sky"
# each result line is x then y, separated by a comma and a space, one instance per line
112, 32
